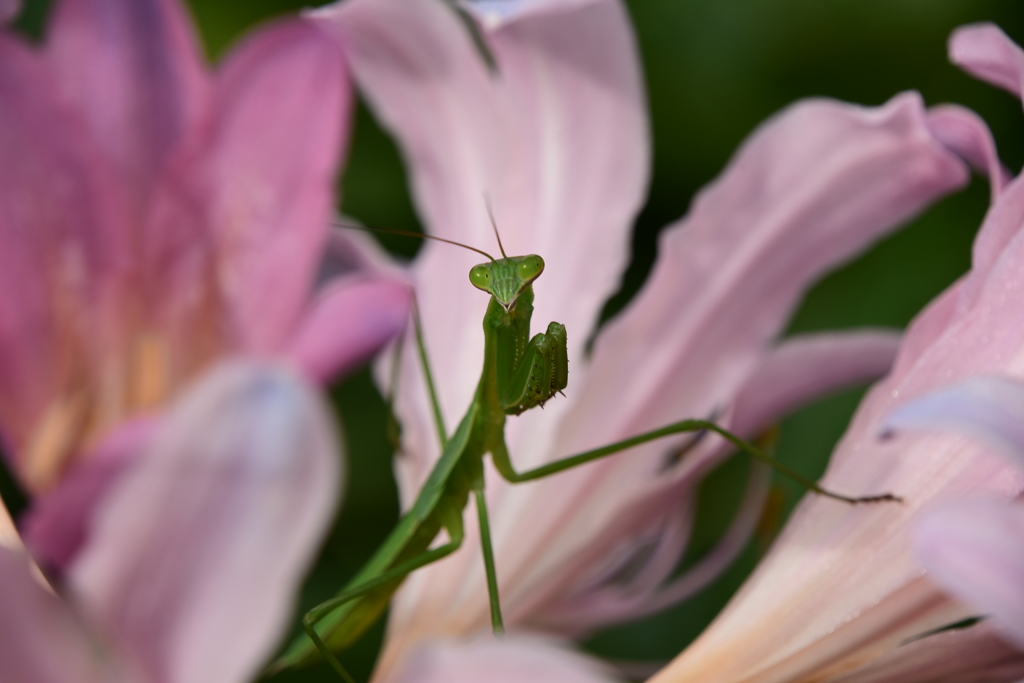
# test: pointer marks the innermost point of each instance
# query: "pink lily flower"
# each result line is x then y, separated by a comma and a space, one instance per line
975, 548
843, 596
194, 554
155, 219
557, 139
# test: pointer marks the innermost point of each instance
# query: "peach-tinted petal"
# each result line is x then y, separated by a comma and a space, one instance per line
57, 524
971, 655
975, 550
984, 51
195, 553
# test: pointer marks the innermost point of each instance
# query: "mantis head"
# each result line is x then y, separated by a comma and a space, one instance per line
506, 278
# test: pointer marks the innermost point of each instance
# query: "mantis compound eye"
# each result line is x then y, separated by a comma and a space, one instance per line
480, 277
530, 268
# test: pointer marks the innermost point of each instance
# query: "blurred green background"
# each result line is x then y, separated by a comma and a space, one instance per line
715, 69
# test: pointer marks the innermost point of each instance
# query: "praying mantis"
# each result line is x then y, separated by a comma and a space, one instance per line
519, 373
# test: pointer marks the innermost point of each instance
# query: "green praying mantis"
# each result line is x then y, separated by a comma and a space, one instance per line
519, 373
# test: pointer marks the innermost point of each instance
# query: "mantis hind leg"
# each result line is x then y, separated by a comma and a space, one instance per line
452, 523
504, 464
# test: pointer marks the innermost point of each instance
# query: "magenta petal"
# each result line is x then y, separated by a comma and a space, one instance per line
351, 320
9, 9
57, 524
57, 207
195, 556
989, 407
983, 50
41, 639
132, 68
975, 550
263, 177
804, 368
511, 659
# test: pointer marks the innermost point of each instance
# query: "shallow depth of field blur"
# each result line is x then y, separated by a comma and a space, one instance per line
715, 69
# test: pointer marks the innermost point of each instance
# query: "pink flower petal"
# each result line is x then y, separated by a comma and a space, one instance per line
975, 550
57, 524
132, 70
511, 659
558, 143
967, 134
352, 319
9, 9
41, 639
983, 50
195, 556
262, 176
701, 334
971, 655
989, 407
60, 258
803, 368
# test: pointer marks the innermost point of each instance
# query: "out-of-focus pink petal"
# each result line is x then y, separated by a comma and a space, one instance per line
57, 525
262, 174
971, 655
511, 659
968, 135
983, 50
990, 407
975, 550
352, 319
41, 639
195, 555
1002, 224
803, 368
557, 140
494, 13
9, 9
59, 245
132, 70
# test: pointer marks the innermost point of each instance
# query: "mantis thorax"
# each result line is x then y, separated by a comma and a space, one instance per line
506, 278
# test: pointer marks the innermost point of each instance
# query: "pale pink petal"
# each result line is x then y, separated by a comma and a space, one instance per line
132, 70
967, 134
989, 407
557, 141
258, 182
350, 320
1002, 224
41, 639
510, 659
194, 558
809, 189
971, 655
804, 368
60, 245
57, 524
494, 13
983, 50
975, 550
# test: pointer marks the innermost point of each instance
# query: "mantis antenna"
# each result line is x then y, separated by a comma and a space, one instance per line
494, 224
409, 233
